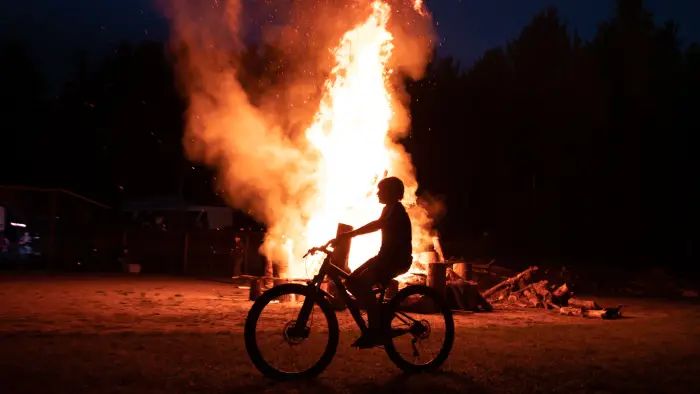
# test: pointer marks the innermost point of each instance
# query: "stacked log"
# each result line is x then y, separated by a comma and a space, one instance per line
464, 295
414, 279
517, 292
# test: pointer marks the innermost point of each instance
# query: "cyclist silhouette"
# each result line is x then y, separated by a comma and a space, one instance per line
394, 257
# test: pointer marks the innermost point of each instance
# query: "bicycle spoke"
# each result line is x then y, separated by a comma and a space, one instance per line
303, 350
419, 323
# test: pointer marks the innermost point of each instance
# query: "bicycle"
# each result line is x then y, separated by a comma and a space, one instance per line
298, 330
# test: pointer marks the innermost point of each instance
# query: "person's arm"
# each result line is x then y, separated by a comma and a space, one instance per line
369, 227
366, 229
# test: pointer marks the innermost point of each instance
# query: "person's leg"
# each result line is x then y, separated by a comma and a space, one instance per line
360, 285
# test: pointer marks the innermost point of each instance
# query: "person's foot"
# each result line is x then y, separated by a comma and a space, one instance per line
366, 341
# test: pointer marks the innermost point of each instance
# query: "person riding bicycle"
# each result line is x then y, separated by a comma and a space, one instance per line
394, 257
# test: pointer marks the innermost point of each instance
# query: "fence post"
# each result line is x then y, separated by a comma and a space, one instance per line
185, 252
246, 268
52, 230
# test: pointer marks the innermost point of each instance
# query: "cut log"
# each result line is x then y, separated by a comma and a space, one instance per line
286, 297
525, 291
460, 269
454, 297
541, 288
499, 296
569, 311
588, 304
464, 295
552, 305
267, 280
437, 277
561, 291
535, 301
453, 275
255, 289
341, 250
482, 302
415, 279
508, 281
613, 313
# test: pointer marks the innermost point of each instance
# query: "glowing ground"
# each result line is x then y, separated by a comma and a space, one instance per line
116, 334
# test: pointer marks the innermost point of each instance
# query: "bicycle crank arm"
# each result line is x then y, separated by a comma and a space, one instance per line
415, 348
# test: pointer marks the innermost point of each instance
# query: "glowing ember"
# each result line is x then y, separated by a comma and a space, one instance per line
418, 6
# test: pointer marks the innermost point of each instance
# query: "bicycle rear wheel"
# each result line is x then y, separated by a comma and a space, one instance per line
269, 333
418, 319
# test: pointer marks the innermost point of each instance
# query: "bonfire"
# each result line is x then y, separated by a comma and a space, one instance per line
302, 186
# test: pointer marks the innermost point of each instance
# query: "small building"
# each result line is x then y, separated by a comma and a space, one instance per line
167, 234
62, 227
172, 210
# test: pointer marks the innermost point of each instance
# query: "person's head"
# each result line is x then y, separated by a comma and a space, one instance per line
390, 190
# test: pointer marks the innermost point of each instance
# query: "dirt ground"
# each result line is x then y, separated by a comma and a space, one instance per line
140, 334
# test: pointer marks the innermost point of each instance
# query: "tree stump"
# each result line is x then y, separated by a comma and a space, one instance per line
460, 269
255, 289
437, 273
286, 297
269, 273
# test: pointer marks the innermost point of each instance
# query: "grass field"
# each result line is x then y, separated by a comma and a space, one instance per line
122, 334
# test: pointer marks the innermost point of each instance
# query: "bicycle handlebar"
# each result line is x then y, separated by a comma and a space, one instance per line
323, 249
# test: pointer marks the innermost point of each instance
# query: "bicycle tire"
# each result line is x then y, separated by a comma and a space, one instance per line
443, 308
251, 327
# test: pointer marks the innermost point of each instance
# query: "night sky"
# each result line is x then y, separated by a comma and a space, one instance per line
56, 28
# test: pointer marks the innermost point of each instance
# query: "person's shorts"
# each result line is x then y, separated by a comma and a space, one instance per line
381, 269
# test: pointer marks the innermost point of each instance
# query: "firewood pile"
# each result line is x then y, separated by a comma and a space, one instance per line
521, 291
460, 293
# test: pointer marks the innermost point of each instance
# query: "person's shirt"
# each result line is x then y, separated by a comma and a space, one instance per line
396, 231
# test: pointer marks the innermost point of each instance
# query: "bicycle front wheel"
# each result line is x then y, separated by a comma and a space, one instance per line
420, 329
278, 347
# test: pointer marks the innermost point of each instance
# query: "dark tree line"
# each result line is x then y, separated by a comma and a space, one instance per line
555, 146
562, 147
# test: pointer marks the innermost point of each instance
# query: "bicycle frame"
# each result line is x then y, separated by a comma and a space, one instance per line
335, 274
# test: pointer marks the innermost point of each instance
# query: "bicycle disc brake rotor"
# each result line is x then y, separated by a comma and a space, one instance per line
421, 329
291, 337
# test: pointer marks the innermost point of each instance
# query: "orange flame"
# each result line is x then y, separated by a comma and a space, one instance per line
350, 131
418, 6
301, 188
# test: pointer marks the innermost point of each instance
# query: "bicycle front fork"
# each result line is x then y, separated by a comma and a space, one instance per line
299, 328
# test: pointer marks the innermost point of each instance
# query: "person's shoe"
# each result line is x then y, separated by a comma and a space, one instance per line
366, 341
